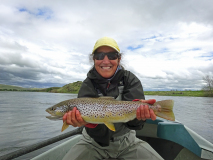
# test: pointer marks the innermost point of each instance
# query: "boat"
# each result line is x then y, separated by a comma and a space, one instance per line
172, 140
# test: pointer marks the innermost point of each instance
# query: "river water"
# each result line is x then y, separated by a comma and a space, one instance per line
23, 120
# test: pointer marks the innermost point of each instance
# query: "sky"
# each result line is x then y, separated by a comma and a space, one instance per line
168, 45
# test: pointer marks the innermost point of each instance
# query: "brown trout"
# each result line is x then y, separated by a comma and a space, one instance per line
107, 110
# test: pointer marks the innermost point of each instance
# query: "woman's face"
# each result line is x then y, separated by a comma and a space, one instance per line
106, 68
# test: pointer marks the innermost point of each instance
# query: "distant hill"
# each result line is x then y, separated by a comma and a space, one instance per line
4, 87
51, 89
69, 88
75, 86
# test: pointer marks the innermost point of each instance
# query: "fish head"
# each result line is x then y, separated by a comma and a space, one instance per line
58, 110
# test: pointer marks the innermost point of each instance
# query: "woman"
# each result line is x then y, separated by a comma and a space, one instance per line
108, 78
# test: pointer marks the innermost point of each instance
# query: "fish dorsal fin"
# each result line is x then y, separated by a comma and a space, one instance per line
110, 126
107, 97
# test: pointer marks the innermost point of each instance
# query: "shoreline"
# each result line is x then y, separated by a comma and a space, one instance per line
200, 93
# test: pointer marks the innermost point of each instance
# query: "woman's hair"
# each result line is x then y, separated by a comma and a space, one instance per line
91, 59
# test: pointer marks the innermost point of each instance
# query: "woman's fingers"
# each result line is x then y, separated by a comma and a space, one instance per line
69, 118
146, 112
149, 101
65, 117
152, 114
80, 119
138, 114
74, 118
143, 113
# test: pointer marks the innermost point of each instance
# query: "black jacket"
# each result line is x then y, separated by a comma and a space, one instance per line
133, 89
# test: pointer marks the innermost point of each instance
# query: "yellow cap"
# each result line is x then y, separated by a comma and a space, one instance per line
106, 41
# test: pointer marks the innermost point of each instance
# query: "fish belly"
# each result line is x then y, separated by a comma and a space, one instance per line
109, 118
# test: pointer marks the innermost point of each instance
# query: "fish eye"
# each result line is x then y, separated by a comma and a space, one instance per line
52, 108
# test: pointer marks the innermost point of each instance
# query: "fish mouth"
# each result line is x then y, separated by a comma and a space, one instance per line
54, 118
48, 111
55, 113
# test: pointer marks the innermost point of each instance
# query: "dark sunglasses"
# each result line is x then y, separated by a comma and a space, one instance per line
110, 55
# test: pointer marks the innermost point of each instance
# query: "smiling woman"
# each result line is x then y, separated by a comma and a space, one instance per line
108, 78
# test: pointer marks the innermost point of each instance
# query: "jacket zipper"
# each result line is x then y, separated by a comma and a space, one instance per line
108, 85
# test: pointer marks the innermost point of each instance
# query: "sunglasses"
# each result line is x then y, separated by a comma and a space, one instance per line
110, 55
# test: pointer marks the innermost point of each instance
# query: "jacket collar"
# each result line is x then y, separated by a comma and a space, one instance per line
103, 84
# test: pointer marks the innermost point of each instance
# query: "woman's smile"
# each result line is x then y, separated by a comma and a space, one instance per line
106, 67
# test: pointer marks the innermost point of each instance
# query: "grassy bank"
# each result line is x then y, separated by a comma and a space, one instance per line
4, 87
177, 93
75, 86
68, 88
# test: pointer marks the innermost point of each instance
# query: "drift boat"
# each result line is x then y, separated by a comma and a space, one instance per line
172, 140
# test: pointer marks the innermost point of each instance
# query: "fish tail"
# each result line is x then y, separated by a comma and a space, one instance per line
166, 109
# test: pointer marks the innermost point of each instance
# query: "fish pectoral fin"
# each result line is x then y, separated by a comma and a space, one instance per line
65, 126
110, 126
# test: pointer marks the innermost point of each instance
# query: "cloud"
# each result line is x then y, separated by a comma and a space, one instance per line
167, 44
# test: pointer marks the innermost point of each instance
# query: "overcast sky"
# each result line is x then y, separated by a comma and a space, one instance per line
46, 43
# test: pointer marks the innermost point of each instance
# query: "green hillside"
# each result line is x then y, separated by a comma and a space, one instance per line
69, 88
4, 87
75, 86
176, 93
51, 89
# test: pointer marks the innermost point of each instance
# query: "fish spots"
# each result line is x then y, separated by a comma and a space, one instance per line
100, 109
104, 107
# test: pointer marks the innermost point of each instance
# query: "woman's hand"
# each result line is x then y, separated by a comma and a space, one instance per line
143, 112
74, 118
